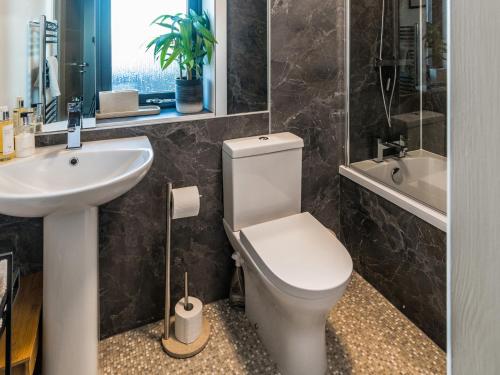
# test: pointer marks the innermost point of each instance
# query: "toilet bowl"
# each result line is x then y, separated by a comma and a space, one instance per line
295, 269
289, 304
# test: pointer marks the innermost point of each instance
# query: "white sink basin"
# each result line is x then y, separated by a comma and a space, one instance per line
48, 182
65, 187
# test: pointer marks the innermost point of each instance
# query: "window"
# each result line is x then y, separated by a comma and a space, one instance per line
124, 29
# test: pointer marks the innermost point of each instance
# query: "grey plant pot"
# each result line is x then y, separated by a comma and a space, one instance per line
189, 95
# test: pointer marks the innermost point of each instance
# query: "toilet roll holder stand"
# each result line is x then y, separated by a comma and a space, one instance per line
171, 345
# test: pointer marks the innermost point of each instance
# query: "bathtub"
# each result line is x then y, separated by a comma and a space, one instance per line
416, 183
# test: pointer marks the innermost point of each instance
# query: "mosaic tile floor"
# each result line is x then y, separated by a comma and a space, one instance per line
365, 335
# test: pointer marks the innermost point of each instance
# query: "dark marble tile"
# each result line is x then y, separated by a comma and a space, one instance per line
308, 94
246, 56
367, 117
399, 254
23, 237
434, 137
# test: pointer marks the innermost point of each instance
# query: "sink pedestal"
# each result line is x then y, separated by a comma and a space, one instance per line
70, 293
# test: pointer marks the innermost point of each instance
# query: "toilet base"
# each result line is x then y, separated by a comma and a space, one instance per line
291, 329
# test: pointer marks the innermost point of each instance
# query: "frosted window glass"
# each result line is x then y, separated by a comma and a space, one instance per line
131, 31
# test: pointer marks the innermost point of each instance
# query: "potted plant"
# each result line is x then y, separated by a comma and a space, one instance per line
190, 42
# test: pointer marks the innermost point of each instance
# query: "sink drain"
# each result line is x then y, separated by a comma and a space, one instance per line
73, 162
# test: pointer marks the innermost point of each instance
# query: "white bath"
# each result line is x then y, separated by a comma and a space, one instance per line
416, 183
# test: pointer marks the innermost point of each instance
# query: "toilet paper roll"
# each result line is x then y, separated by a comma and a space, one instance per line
185, 202
188, 324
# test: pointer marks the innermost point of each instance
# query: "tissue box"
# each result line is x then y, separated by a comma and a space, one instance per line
118, 101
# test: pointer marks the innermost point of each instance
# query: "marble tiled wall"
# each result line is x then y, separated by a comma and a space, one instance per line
23, 237
434, 138
308, 94
247, 56
367, 117
399, 254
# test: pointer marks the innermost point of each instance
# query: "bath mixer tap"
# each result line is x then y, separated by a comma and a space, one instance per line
75, 120
398, 148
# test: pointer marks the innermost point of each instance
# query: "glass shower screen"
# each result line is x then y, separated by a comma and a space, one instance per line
397, 63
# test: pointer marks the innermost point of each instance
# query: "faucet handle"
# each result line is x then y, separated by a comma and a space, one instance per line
403, 146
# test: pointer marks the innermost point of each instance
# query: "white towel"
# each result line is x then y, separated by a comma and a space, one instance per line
53, 89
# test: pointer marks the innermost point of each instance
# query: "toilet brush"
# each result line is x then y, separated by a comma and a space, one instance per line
171, 345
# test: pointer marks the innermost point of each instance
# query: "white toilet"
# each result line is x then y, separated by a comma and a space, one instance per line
295, 268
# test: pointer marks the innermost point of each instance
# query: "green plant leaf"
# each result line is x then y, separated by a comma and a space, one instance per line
207, 34
175, 18
167, 26
171, 58
189, 42
209, 48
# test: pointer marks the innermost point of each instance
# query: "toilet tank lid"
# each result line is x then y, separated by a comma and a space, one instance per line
263, 144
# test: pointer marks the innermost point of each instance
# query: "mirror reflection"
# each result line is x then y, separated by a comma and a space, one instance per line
51, 56
62, 52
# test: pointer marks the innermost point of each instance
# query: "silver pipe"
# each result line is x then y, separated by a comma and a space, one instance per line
387, 104
186, 292
166, 323
42, 71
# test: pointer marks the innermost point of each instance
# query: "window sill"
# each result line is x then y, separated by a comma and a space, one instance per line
166, 116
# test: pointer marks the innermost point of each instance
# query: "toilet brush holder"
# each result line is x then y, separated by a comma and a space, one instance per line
171, 345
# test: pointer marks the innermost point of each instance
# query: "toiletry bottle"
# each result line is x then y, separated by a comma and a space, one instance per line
36, 119
25, 137
7, 151
16, 112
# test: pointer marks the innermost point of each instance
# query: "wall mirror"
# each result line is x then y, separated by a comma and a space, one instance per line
59, 51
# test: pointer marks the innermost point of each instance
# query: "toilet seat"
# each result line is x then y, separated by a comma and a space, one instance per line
298, 255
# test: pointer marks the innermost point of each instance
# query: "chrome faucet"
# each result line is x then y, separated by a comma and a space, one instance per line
398, 148
75, 120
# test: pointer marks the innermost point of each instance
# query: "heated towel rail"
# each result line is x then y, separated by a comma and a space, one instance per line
48, 35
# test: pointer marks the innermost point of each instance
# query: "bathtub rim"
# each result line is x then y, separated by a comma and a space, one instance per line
424, 212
